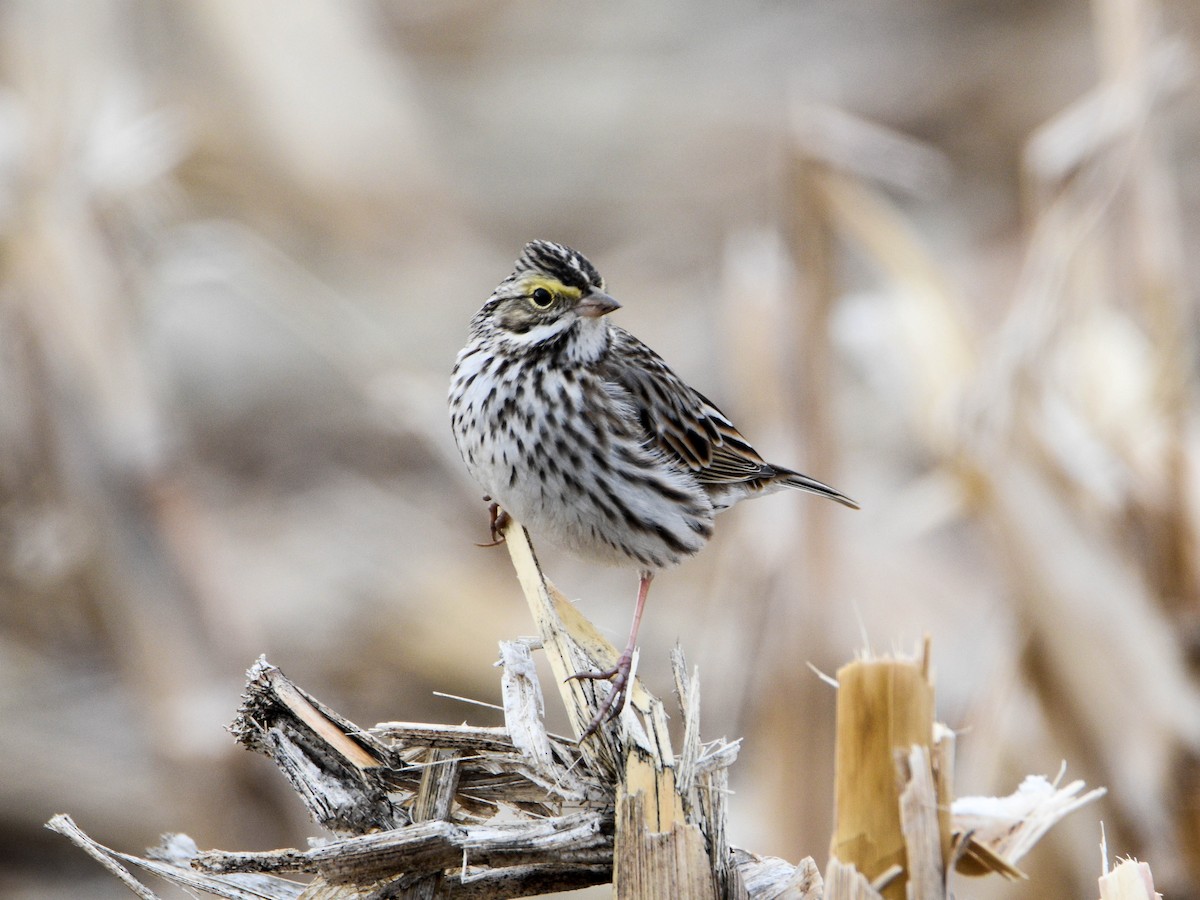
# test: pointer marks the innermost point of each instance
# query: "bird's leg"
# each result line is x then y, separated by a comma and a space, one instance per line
618, 674
498, 520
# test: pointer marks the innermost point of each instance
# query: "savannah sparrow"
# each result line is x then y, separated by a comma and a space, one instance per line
583, 433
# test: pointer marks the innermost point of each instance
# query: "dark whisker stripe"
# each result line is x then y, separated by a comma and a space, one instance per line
556, 347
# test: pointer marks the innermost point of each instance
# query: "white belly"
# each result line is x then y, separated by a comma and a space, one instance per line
564, 456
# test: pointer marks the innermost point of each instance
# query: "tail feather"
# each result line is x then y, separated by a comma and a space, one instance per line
804, 483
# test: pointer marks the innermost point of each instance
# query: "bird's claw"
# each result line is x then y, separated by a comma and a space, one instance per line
498, 521
618, 693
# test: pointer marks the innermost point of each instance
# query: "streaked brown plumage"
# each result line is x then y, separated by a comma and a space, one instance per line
587, 437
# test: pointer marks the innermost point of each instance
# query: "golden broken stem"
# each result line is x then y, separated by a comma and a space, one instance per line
896, 694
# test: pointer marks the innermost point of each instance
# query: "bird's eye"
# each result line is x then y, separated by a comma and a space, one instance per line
541, 298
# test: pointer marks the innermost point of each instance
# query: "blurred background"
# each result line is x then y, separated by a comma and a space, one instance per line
938, 253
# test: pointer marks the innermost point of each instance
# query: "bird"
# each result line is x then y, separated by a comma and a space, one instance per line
588, 438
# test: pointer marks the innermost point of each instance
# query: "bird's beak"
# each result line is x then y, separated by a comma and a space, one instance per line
596, 304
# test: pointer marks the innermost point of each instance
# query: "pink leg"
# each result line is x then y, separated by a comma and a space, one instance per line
618, 674
498, 521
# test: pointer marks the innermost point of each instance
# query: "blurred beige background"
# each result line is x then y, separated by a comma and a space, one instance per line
938, 253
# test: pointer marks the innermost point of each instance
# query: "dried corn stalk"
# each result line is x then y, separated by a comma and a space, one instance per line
421, 810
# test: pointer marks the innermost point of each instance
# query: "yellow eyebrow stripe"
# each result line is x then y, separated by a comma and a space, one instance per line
553, 285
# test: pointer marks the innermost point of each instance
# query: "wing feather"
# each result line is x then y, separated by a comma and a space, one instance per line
684, 424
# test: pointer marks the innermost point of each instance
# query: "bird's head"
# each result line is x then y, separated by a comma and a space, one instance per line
553, 294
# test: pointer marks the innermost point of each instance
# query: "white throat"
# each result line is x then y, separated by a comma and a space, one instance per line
588, 344
591, 341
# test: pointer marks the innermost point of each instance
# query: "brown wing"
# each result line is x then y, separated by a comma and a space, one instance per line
680, 421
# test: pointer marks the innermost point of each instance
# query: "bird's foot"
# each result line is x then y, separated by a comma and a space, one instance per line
498, 521
618, 693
